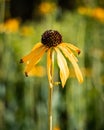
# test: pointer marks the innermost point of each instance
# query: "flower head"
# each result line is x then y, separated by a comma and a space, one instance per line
51, 41
51, 38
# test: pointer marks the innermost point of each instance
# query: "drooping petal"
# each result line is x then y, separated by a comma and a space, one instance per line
35, 59
69, 50
71, 46
64, 71
32, 54
50, 60
37, 71
37, 46
74, 63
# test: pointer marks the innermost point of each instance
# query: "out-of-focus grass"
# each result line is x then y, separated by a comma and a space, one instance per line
23, 101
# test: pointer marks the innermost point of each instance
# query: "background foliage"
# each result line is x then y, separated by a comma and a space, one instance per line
24, 101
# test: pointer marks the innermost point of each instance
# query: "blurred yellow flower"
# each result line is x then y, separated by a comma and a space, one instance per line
97, 12
27, 31
87, 72
1, 27
85, 11
37, 71
46, 7
51, 42
11, 25
56, 128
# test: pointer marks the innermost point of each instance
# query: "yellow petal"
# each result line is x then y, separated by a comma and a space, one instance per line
74, 63
68, 49
50, 59
64, 71
37, 71
32, 54
71, 46
37, 46
35, 58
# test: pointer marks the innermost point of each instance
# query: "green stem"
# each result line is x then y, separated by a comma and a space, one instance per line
50, 107
51, 91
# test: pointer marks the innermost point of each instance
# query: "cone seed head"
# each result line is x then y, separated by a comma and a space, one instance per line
51, 38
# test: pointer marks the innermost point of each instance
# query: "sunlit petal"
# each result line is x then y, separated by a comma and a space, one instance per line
64, 71
50, 59
69, 50
37, 46
74, 63
34, 60
32, 54
71, 46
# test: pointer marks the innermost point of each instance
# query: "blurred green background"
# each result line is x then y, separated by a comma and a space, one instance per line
24, 101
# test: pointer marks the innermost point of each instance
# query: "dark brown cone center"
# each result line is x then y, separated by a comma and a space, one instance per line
51, 38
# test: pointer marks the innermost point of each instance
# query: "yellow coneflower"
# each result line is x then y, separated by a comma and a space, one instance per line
98, 13
27, 31
51, 42
11, 25
46, 7
57, 128
85, 11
